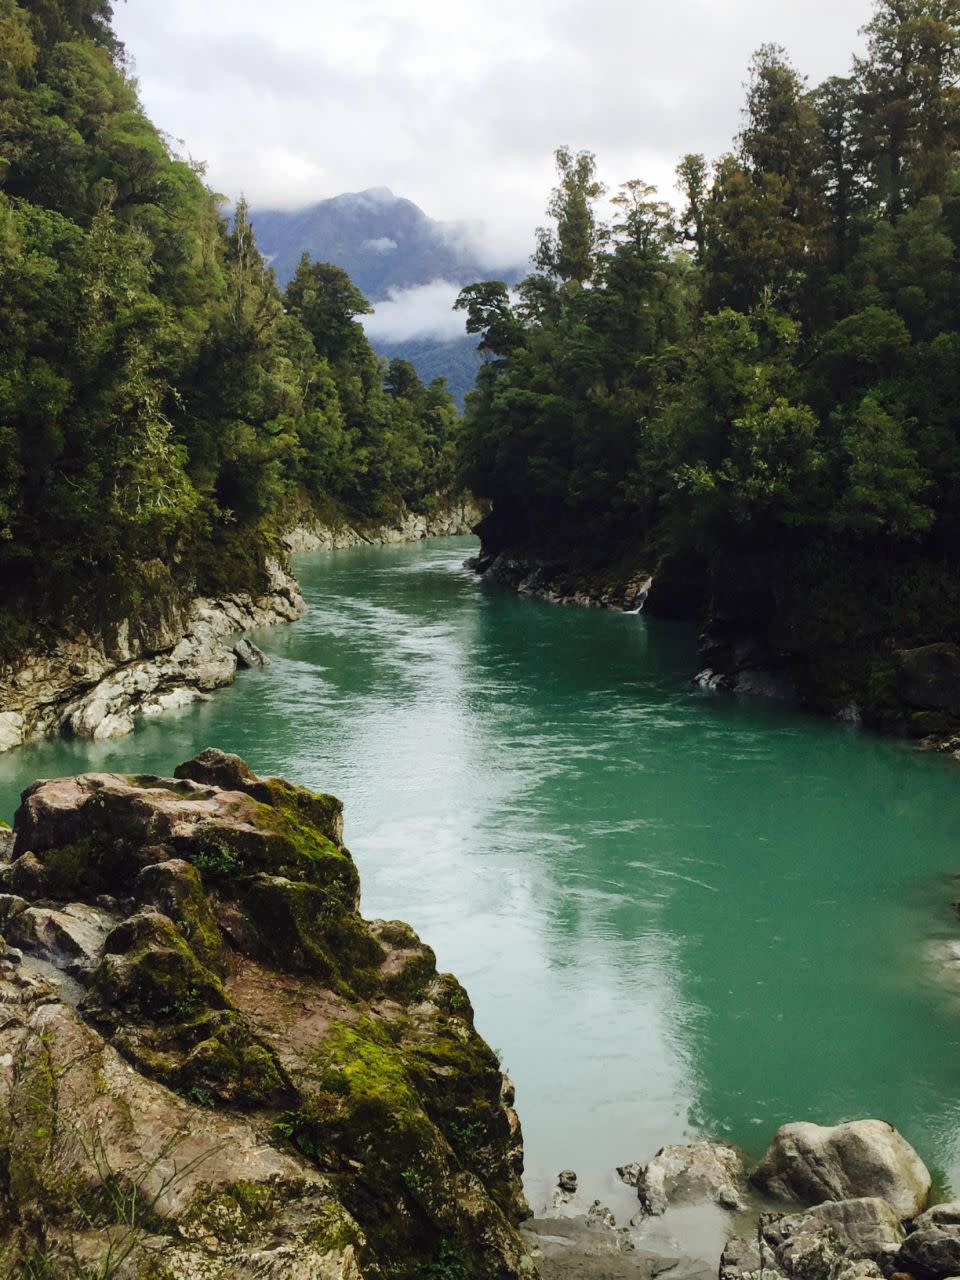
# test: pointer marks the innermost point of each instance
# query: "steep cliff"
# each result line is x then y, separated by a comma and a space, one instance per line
213, 1067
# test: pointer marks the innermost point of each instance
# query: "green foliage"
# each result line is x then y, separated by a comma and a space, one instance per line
159, 396
766, 383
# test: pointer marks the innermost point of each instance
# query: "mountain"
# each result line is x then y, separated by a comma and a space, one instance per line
383, 241
387, 245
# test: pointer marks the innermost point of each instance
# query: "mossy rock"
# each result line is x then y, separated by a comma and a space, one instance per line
305, 929
175, 889
148, 972
217, 769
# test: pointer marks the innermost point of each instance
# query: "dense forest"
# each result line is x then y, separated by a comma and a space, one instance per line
163, 405
756, 393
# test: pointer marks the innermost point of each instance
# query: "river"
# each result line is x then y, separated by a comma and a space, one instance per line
677, 913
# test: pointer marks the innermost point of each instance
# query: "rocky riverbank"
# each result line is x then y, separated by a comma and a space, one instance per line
96, 685
213, 1067
448, 520
842, 1203
916, 691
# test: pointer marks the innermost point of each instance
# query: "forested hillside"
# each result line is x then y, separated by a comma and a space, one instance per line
759, 399
162, 402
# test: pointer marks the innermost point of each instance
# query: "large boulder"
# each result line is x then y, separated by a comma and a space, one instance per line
702, 1173
811, 1163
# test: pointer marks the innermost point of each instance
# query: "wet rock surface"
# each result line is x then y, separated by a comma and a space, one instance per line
213, 1067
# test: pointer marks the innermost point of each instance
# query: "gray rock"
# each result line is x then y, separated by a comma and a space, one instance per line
933, 1247
838, 1240
748, 1260
248, 655
567, 1181
71, 938
703, 1173
813, 1163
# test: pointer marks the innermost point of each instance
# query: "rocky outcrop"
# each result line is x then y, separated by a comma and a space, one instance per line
552, 581
812, 1163
449, 519
702, 1173
95, 686
213, 1067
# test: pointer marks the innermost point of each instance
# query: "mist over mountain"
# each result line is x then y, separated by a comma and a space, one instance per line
384, 241
408, 265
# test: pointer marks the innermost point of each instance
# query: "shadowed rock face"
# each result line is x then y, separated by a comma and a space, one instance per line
211, 1065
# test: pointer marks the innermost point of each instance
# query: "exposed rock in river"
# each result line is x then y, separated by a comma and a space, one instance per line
812, 1163
213, 1067
702, 1173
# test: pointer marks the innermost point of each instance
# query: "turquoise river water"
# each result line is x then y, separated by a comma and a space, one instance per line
677, 913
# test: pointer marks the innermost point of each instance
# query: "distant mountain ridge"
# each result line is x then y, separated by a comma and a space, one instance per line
386, 244
383, 241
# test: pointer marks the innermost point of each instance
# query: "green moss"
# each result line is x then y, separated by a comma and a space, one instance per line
77, 870
153, 974
301, 806
235, 1068
234, 1214
5, 826
177, 891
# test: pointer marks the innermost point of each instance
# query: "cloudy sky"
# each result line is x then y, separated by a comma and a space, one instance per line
459, 105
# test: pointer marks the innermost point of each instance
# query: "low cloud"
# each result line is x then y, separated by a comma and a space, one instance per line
301, 100
382, 245
425, 311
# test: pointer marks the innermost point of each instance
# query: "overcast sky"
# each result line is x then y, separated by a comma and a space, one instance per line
458, 105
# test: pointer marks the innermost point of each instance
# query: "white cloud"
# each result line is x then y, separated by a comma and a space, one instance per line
383, 244
422, 312
456, 107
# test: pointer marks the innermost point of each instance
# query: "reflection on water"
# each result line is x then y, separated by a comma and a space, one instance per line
676, 913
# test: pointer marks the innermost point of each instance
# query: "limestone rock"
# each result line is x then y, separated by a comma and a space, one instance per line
177, 652
71, 938
702, 1173
748, 1260
812, 1163
248, 655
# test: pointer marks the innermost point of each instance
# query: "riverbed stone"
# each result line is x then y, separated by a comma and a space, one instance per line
812, 1163
248, 655
701, 1173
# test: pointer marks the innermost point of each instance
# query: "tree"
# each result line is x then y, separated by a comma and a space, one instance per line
569, 252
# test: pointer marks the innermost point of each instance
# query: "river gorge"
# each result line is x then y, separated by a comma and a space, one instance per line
677, 913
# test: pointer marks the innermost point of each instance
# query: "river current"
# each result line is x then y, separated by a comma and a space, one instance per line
677, 913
